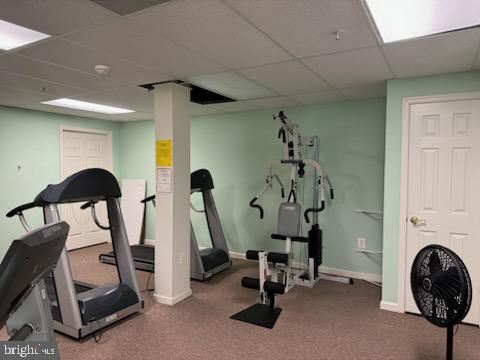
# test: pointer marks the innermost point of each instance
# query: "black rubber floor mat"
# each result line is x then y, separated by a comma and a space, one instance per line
259, 314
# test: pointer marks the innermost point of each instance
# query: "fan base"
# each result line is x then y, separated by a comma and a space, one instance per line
450, 343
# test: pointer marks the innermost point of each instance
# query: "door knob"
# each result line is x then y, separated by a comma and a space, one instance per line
415, 220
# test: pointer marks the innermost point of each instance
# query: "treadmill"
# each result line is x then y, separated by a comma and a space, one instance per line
204, 263
80, 309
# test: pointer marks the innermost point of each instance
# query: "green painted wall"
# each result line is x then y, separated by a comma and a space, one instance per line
32, 139
236, 148
137, 155
396, 91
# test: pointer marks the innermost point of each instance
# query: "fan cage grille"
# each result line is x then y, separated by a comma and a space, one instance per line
441, 285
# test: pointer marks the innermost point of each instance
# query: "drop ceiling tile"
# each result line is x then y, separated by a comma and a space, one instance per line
135, 116
307, 28
290, 77
318, 97
236, 106
365, 92
50, 72
14, 97
53, 17
130, 97
82, 58
199, 110
26, 83
124, 7
88, 114
214, 30
231, 85
352, 68
445, 53
132, 41
273, 102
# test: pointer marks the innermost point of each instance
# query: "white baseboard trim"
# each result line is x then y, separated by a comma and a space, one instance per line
150, 242
390, 306
167, 300
384, 305
237, 255
350, 274
322, 269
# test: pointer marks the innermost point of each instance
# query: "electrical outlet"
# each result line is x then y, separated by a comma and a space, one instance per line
361, 243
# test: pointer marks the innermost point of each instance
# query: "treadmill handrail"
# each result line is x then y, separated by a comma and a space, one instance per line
148, 198
91, 205
20, 209
19, 212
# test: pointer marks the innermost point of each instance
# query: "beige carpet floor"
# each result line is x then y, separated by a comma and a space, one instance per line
330, 321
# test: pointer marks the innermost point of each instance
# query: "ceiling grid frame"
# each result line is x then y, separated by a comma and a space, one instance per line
344, 92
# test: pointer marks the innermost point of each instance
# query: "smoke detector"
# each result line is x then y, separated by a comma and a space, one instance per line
103, 70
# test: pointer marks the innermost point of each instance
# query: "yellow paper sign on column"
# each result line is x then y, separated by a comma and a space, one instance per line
164, 153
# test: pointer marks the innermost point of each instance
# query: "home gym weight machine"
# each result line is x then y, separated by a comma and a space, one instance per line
278, 273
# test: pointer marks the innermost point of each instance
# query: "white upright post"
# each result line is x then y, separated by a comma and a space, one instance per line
172, 219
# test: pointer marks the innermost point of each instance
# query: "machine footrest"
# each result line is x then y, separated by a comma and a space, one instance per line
294, 238
274, 287
268, 286
273, 257
251, 283
279, 258
252, 254
259, 314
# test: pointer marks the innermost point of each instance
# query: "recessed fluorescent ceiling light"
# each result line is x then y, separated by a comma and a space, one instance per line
87, 106
405, 19
13, 36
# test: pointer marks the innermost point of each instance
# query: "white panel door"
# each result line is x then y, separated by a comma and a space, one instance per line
444, 187
81, 150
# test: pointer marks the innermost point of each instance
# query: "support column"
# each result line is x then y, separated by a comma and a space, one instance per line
172, 218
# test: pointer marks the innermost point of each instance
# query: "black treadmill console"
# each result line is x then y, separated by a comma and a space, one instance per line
86, 185
26, 262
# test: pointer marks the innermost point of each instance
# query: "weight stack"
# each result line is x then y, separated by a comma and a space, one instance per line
315, 246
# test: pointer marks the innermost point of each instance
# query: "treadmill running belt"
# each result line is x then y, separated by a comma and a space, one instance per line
52, 295
50, 286
146, 253
144, 259
141, 253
